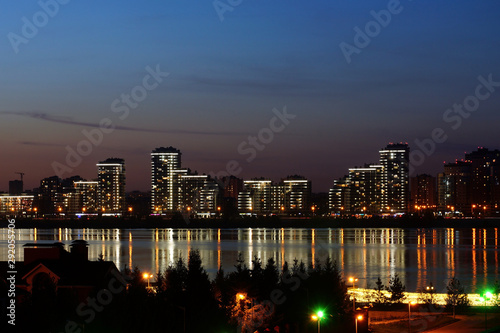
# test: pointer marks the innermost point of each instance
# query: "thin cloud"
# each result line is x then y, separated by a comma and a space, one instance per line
69, 121
31, 143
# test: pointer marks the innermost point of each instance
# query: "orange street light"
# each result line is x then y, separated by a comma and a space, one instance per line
147, 276
353, 280
360, 317
409, 314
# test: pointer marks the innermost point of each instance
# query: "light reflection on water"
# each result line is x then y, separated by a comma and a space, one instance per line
420, 256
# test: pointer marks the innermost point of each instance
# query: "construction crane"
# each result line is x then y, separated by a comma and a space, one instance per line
20, 173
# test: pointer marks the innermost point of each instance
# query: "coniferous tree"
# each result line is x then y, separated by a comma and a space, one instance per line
397, 289
456, 298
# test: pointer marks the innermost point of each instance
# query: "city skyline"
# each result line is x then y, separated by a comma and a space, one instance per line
206, 79
15, 182
469, 187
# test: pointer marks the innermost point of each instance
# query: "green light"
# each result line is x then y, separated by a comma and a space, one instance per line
489, 295
320, 314
481, 299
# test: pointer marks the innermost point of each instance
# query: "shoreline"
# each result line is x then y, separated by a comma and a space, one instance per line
262, 222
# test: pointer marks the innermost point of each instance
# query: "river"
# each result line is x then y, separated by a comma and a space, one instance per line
419, 256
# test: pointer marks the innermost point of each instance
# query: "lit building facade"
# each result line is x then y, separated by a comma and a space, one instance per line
454, 188
165, 179
485, 179
423, 189
255, 197
395, 160
365, 190
339, 197
297, 194
17, 205
199, 194
111, 186
85, 200
49, 200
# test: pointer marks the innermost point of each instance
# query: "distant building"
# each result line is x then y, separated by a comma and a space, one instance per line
178, 190
454, 188
111, 186
395, 160
255, 197
199, 195
339, 197
85, 201
365, 189
485, 178
297, 194
49, 200
423, 190
232, 186
15, 187
165, 180
17, 205
381, 188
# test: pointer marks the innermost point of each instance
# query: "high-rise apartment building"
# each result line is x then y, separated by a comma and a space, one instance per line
165, 179
297, 194
423, 192
339, 196
178, 190
395, 160
49, 199
111, 186
365, 189
485, 177
454, 187
255, 197
85, 201
199, 194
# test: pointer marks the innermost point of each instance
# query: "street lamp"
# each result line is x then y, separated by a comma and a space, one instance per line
409, 315
318, 316
487, 296
360, 317
353, 281
147, 276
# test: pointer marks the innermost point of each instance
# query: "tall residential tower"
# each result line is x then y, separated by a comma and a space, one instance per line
111, 186
395, 177
165, 166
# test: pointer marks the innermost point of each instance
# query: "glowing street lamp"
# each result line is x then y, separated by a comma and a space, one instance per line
147, 276
353, 280
488, 295
409, 315
360, 317
317, 317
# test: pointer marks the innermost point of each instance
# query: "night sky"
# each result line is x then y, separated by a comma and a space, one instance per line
226, 77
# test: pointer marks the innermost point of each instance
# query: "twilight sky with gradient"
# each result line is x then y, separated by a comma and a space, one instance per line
227, 76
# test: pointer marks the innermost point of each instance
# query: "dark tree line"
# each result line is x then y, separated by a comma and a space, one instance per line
184, 299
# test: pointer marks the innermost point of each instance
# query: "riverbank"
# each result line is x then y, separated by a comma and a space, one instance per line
261, 222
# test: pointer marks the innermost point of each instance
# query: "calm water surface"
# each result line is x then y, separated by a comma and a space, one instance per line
420, 256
